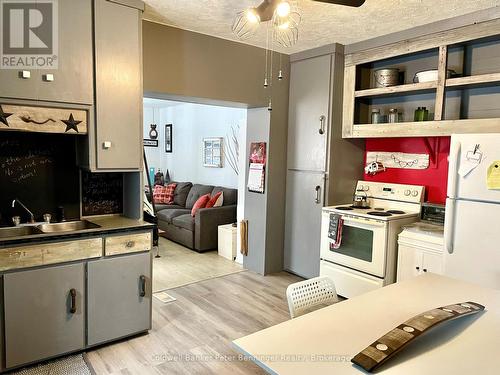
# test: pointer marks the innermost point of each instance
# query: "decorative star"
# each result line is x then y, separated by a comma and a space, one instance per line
3, 116
71, 124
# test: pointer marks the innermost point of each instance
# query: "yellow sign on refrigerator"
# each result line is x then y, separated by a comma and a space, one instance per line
493, 179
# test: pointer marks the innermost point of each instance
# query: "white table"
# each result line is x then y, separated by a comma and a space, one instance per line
470, 345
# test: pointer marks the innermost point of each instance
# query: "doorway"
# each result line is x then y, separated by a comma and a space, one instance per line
195, 150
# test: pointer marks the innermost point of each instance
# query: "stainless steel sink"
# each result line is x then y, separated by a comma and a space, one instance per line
69, 226
19, 232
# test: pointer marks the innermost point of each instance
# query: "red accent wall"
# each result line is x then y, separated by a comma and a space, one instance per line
434, 178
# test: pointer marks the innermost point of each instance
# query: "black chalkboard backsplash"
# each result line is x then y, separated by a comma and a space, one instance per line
41, 171
102, 193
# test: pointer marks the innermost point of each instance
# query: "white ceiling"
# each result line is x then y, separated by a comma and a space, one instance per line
321, 23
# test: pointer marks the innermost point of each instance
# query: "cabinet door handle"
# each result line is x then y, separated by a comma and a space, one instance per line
317, 200
322, 125
72, 293
142, 286
417, 268
425, 269
48, 77
25, 74
130, 244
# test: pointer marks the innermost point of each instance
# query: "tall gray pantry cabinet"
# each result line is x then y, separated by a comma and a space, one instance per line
322, 168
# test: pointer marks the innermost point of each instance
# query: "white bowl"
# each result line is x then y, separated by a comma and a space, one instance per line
429, 76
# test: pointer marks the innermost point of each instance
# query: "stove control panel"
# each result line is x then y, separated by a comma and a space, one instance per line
382, 190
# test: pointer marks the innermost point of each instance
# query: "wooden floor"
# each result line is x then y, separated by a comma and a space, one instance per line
179, 266
193, 334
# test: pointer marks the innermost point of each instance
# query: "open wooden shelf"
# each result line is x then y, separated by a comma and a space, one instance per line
473, 80
469, 104
385, 91
425, 128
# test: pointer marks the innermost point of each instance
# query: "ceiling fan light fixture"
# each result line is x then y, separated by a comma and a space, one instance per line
283, 9
246, 23
252, 15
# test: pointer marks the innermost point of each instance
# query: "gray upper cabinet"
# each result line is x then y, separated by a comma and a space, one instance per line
118, 75
72, 81
44, 313
119, 297
308, 114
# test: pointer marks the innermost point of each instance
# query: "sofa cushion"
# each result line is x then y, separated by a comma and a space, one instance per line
230, 195
181, 193
196, 192
184, 221
169, 215
161, 207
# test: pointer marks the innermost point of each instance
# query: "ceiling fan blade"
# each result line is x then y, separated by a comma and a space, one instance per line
350, 3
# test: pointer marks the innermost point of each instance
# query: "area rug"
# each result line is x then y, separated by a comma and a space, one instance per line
71, 365
179, 266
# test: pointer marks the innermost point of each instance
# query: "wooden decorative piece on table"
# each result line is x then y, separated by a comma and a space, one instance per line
394, 341
43, 119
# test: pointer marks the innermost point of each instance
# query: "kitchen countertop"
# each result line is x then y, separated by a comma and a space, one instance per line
108, 225
467, 345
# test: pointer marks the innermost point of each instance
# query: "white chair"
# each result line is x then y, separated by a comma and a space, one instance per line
305, 295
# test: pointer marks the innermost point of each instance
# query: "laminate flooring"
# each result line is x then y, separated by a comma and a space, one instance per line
180, 266
193, 335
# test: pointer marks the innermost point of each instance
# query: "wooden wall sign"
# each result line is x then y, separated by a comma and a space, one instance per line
43, 119
399, 160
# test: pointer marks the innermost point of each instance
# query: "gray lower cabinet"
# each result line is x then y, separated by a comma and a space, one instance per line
119, 297
118, 86
44, 313
304, 202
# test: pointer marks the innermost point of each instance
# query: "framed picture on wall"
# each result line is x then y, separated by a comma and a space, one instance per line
212, 152
168, 138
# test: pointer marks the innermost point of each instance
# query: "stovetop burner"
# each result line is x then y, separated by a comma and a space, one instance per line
396, 212
362, 208
379, 213
344, 208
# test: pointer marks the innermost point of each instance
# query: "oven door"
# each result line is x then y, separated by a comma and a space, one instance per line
363, 245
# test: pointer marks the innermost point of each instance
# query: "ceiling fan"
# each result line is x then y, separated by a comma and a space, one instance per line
282, 18
285, 14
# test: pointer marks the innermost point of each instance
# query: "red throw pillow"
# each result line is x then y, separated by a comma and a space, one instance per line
200, 203
159, 194
213, 200
164, 194
170, 192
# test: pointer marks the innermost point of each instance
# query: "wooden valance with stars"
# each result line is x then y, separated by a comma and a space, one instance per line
43, 119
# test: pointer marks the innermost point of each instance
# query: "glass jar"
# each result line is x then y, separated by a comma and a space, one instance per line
393, 115
376, 116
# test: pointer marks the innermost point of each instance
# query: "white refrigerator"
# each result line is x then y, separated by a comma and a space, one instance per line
472, 225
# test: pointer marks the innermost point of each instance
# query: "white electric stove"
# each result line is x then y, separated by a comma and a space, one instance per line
365, 258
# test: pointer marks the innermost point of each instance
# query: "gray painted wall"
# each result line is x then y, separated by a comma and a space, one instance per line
184, 64
258, 125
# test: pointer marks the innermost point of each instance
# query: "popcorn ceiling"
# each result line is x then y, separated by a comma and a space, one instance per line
321, 23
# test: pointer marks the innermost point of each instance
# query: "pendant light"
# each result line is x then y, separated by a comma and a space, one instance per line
282, 19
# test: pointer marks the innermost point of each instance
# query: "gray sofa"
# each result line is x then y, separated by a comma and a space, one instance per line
200, 232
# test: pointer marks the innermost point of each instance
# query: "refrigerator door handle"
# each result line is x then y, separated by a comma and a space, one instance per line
449, 225
453, 173
317, 199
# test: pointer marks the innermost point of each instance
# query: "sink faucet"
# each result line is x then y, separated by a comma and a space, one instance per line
32, 217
